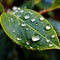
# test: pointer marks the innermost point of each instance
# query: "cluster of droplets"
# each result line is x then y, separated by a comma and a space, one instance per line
37, 37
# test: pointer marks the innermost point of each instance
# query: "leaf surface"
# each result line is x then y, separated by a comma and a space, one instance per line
29, 29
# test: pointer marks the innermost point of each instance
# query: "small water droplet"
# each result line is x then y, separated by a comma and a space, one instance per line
31, 13
32, 20
27, 17
18, 8
47, 40
23, 24
27, 43
11, 19
50, 45
41, 18
31, 47
21, 11
18, 38
14, 8
27, 28
35, 38
47, 27
38, 48
53, 36
13, 31
36, 23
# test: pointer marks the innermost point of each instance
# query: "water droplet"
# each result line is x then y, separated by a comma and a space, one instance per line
31, 47
11, 19
47, 27
31, 13
14, 8
35, 38
13, 31
27, 28
23, 24
36, 23
50, 45
47, 40
21, 11
27, 17
41, 18
32, 20
53, 36
38, 48
27, 43
18, 8
18, 38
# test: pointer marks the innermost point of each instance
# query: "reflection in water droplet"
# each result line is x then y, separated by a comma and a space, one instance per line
27, 17
18, 38
53, 36
50, 45
47, 27
32, 20
41, 18
23, 24
35, 38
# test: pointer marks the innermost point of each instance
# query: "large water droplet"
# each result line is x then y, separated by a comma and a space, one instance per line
48, 27
18, 38
41, 18
27, 17
32, 20
53, 36
50, 45
35, 38
23, 24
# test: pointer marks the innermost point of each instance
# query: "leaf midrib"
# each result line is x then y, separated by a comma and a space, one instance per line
34, 30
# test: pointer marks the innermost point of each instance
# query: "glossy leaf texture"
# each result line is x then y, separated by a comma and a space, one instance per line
29, 29
56, 25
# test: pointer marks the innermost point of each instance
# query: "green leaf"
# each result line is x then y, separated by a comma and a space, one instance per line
31, 30
56, 25
1, 8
